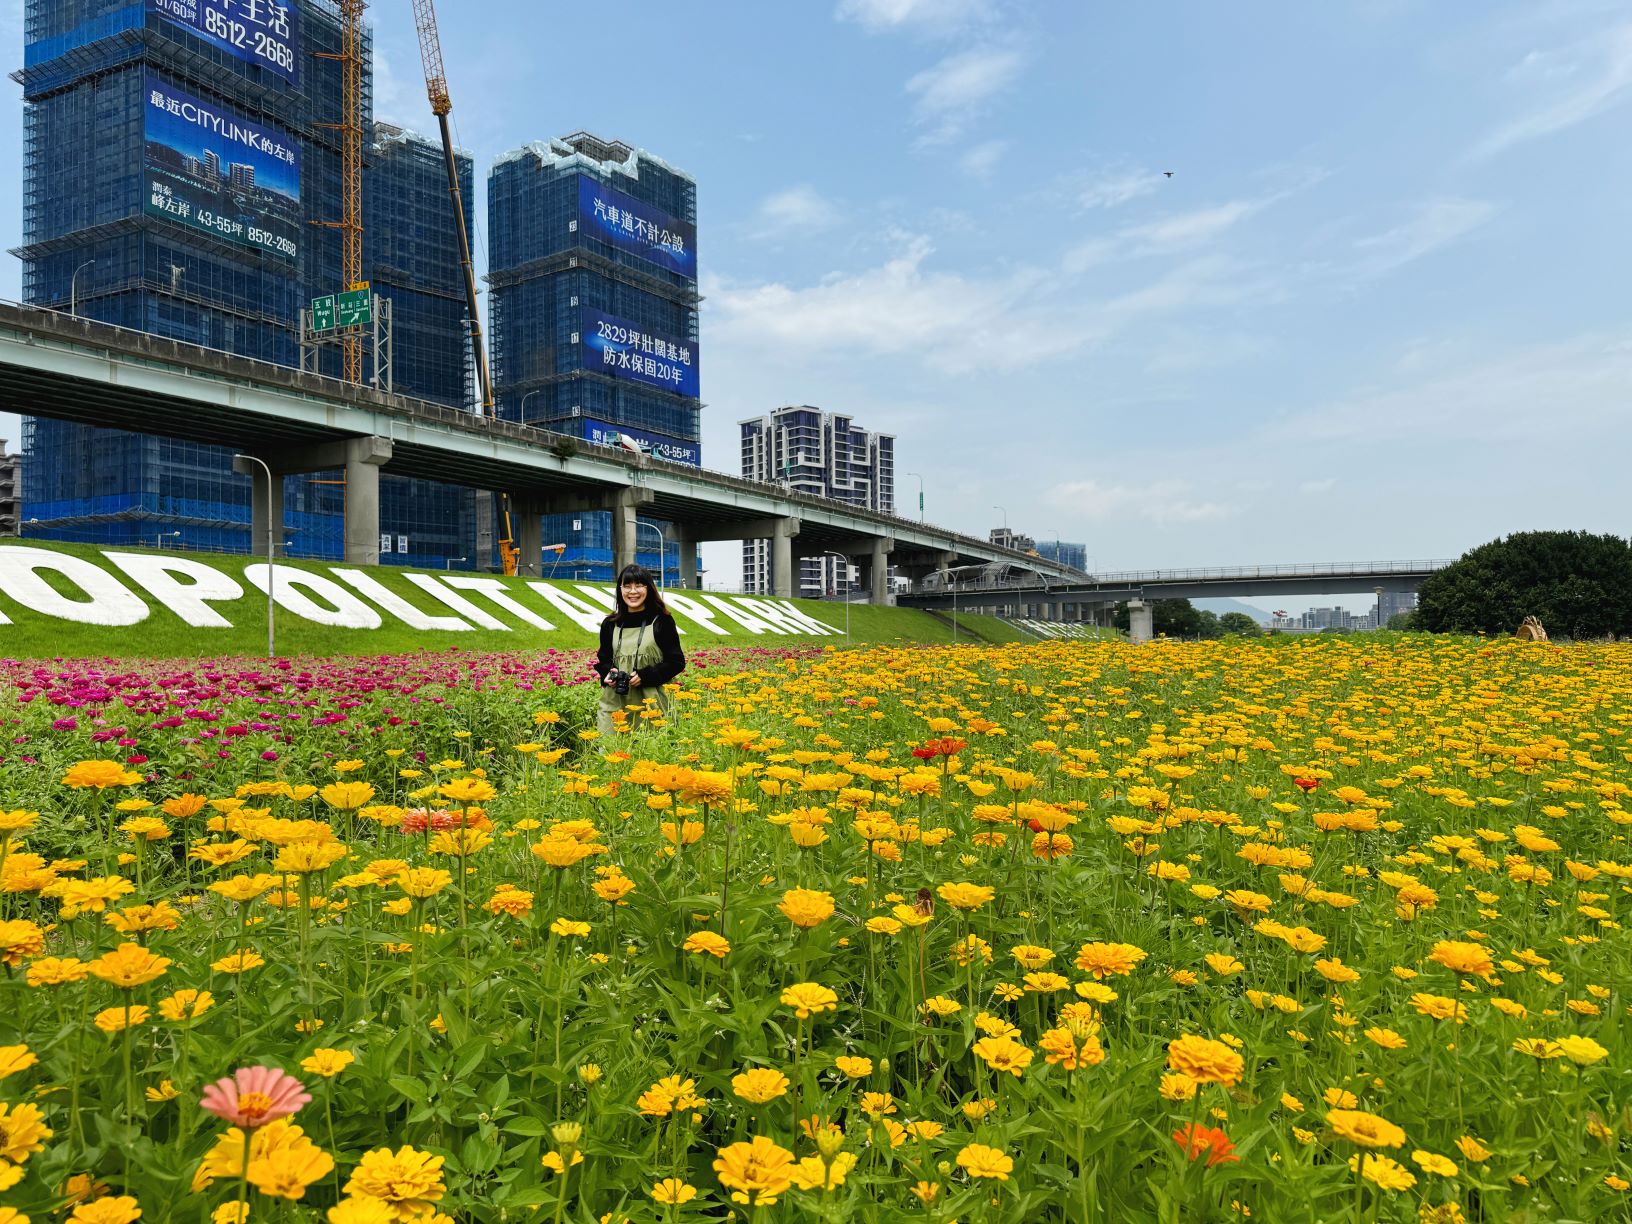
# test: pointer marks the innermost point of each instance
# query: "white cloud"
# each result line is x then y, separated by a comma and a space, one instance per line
1434, 224
947, 95
798, 209
1194, 228
902, 308
1546, 395
1310, 487
1118, 187
980, 160
1162, 502
933, 16
1609, 87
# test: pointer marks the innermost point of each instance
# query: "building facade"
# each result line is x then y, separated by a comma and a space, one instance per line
172, 176
1074, 555
592, 249
824, 454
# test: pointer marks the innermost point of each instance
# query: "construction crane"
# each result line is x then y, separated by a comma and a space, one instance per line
436, 85
350, 128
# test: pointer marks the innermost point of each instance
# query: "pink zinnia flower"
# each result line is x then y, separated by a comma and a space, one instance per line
254, 1096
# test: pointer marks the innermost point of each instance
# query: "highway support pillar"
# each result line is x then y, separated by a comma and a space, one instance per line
527, 528
364, 458
687, 549
1141, 621
624, 542
782, 533
880, 570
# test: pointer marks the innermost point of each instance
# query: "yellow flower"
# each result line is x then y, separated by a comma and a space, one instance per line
806, 907
22, 1132
409, 1180
120, 1209
1104, 960
99, 775
306, 857
1364, 1129
966, 896
1432, 1162
1383, 1172
854, 1067
809, 998
1460, 957
759, 1084
19, 939
186, 1005
707, 943
1583, 1051
673, 1191
238, 962
1222, 964
978, 1160
757, 1172
165, 1090
346, 796
15, 1058
56, 970
1003, 1054
327, 1062
1204, 1060
128, 966
568, 928
423, 882
816, 1173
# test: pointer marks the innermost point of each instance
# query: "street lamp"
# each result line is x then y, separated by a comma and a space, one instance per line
271, 559
828, 552
159, 540
450, 562
521, 409
1005, 518
662, 547
920, 481
73, 286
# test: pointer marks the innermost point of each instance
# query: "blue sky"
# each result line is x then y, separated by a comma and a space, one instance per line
1379, 310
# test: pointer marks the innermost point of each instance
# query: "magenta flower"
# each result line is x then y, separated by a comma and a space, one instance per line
254, 1096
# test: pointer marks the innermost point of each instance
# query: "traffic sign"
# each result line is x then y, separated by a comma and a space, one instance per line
353, 308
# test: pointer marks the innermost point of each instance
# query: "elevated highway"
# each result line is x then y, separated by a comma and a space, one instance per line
74, 369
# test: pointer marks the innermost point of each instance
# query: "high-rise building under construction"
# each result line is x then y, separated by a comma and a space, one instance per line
592, 250
176, 158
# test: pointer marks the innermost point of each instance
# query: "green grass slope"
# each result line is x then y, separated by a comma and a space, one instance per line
164, 634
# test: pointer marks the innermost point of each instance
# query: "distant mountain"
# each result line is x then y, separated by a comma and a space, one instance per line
1221, 606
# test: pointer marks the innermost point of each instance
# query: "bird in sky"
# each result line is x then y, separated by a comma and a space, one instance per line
1168, 173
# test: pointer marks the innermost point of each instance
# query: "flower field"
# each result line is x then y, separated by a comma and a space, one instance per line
1287, 930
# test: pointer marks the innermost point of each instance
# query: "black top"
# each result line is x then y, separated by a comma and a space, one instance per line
664, 633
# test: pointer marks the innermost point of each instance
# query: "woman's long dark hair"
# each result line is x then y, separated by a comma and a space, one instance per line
654, 599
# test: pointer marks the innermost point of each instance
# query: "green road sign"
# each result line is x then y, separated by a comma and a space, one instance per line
353, 308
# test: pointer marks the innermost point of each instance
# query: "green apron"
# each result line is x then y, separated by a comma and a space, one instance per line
633, 650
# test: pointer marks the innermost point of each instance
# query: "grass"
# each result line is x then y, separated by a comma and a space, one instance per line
165, 635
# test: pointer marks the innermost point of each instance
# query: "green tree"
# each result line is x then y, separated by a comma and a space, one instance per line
1239, 624
1578, 584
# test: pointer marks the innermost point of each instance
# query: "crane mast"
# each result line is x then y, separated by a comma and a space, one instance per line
350, 128
436, 86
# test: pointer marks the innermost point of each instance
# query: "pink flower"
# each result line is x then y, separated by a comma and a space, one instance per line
254, 1096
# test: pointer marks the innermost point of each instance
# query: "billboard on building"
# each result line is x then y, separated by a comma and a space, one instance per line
264, 32
639, 228
212, 169
617, 347
656, 445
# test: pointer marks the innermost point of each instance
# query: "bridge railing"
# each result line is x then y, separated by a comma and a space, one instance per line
1317, 569
147, 347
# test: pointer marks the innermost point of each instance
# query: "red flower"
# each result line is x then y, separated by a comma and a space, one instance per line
1195, 1140
924, 754
944, 746
1306, 784
1036, 826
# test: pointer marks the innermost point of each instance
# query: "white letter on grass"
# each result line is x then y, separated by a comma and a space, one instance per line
188, 600
110, 603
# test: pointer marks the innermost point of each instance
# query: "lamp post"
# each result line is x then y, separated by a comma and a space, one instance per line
521, 409
73, 286
920, 481
450, 562
1005, 514
828, 552
271, 558
158, 541
662, 548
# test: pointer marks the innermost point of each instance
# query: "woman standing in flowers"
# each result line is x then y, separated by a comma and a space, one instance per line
639, 640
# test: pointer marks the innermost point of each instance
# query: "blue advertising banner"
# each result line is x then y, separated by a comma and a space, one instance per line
264, 32
212, 169
660, 447
641, 229
617, 347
